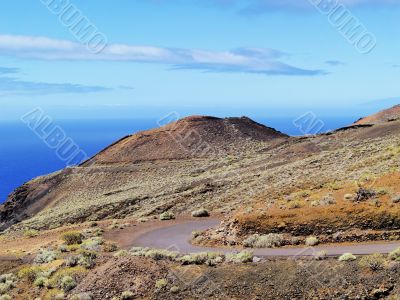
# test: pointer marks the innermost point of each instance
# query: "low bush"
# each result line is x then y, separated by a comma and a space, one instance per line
347, 257
67, 283
31, 233
76, 273
161, 254
82, 296
5, 297
395, 254
174, 290
40, 282
92, 244
167, 216
208, 258
271, 240
127, 295
201, 213
321, 255
72, 237
312, 241
29, 273
109, 247
241, 257
396, 199
161, 283
121, 253
374, 262
45, 256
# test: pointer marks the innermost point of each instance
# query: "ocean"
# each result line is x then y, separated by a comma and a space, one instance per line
24, 155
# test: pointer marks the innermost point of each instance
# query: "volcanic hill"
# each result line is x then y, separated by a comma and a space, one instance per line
220, 164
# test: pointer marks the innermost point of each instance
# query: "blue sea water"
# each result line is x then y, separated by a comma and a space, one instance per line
24, 156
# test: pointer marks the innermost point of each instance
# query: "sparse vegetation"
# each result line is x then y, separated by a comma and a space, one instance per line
31, 233
29, 273
201, 213
127, 295
92, 244
45, 256
241, 257
347, 257
72, 237
374, 262
174, 290
312, 241
395, 254
167, 216
82, 296
161, 283
110, 247
121, 253
67, 283
271, 240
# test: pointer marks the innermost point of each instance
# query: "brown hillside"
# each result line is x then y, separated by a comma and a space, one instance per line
386, 115
196, 136
152, 172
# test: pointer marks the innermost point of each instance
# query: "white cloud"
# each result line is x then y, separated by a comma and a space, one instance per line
243, 60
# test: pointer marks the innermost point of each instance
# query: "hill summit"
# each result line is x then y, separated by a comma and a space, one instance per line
191, 137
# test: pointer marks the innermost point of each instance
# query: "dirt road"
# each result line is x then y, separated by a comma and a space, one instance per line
176, 237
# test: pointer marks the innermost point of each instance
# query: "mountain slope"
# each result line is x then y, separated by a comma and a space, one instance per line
386, 115
146, 174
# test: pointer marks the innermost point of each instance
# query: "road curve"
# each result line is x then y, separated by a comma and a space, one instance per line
177, 237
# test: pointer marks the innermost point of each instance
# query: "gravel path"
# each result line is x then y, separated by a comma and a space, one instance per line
176, 237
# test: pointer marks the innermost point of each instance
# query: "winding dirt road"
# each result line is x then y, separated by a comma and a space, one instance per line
176, 237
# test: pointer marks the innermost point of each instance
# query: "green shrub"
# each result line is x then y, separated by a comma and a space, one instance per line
5, 287
347, 257
209, 258
241, 257
321, 255
396, 198
7, 278
41, 282
312, 241
82, 296
31, 233
67, 283
110, 247
374, 262
45, 256
161, 283
161, 254
167, 216
271, 240
72, 261
174, 290
72, 237
87, 259
30, 273
77, 273
92, 244
395, 254
5, 297
121, 253
127, 295
196, 234
201, 213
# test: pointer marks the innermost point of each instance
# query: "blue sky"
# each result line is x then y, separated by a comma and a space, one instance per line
221, 57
